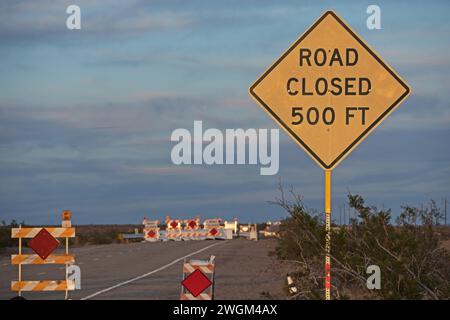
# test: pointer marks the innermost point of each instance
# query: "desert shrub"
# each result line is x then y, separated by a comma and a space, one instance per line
5, 234
5, 238
101, 234
413, 263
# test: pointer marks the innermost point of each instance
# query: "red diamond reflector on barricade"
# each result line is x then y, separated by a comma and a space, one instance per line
213, 232
174, 224
196, 282
43, 243
151, 234
192, 224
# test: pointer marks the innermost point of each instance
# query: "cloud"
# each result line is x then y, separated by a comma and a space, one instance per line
419, 112
35, 21
85, 119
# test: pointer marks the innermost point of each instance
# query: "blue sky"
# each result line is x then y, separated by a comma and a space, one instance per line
86, 116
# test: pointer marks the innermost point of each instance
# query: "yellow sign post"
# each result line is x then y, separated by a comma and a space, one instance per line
328, 91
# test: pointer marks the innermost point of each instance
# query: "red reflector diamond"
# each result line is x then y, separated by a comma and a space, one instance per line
174, 224
43, 244
213, 231
192, 224
196, 282
151, 234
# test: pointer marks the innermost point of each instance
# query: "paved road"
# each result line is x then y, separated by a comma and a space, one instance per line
243, 270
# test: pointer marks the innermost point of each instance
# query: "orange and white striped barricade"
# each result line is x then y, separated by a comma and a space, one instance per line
200, 234
198, 277
195, 234
175, 235
214, 229
151, 230
191, 228
186, 234
174, 229
44, 242
215, 233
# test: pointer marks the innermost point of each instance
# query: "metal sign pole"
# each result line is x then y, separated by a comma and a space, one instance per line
327, 234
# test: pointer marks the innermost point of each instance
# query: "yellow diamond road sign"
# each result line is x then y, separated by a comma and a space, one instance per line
329, 90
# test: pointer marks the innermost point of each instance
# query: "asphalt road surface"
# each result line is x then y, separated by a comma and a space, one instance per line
244, 270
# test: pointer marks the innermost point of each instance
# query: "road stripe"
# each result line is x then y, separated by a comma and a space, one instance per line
150, 273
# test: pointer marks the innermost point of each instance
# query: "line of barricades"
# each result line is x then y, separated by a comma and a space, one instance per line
186, 230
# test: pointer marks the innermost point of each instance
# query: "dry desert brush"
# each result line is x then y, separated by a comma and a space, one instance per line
409, 253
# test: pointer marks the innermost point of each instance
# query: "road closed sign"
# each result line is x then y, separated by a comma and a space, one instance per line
329, 90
